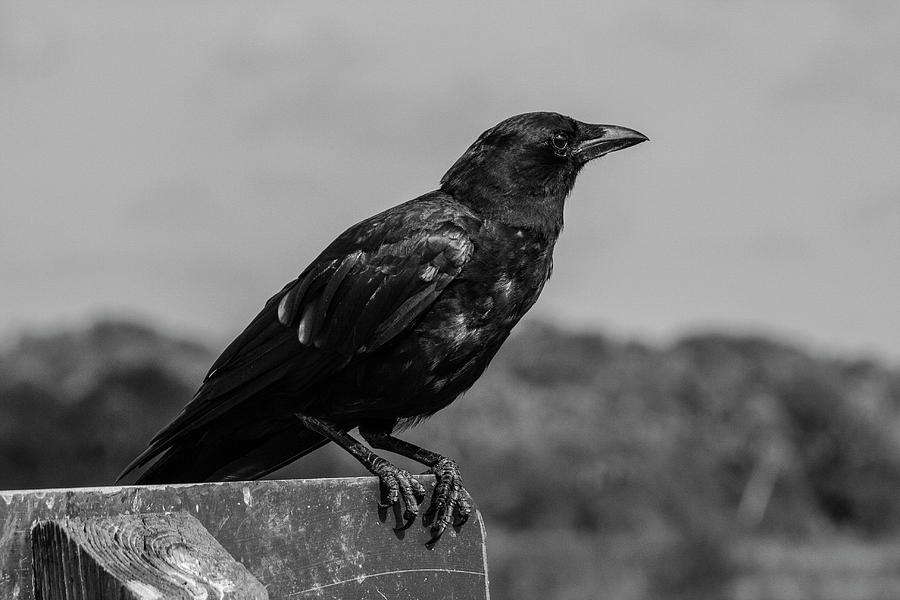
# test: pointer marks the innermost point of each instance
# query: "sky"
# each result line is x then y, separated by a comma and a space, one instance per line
180, 161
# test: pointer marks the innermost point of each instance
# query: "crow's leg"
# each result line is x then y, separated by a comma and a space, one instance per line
449, 494
397, 483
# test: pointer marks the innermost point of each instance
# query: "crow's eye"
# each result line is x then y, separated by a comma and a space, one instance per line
560, 142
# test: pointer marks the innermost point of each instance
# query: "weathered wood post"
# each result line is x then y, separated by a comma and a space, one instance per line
154, 555
321, 538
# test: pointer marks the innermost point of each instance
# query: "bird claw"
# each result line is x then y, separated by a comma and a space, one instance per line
451, 504
399, 485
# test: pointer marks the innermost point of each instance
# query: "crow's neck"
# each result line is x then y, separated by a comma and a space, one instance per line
538, 213
538, 207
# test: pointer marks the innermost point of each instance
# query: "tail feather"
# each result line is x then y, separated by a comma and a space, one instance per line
277, 451
229, 459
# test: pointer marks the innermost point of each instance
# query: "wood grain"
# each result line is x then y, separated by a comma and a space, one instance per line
318, 538
136, 557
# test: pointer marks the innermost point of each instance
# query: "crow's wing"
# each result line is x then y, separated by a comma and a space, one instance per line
367, 287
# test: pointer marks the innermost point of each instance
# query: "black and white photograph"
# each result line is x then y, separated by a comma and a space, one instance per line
412, 300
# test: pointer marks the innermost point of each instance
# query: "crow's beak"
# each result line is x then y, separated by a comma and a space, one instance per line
597, 140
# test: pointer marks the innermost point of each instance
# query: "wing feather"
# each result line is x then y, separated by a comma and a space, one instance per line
364, 290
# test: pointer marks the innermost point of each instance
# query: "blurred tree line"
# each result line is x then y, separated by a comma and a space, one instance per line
600, 465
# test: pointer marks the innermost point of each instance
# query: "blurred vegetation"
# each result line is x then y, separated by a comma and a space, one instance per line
601, 466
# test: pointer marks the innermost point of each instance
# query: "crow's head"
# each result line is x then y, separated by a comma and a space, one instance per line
521, 170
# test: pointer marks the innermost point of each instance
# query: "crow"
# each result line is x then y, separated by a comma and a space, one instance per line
394, 320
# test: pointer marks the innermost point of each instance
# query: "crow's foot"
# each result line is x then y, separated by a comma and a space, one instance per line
397, 484
450, 502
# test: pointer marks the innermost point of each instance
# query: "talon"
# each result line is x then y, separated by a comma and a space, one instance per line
409, 517
437, 530
461, 519
389, 491
450, 503
399, 485
393, 494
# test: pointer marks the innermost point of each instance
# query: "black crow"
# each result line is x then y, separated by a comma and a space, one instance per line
391, 322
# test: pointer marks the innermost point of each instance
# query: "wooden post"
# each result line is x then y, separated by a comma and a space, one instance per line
321, 538
136, 557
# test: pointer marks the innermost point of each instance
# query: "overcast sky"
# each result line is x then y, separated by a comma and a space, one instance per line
180, 161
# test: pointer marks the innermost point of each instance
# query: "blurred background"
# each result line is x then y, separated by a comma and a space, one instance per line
705, 402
